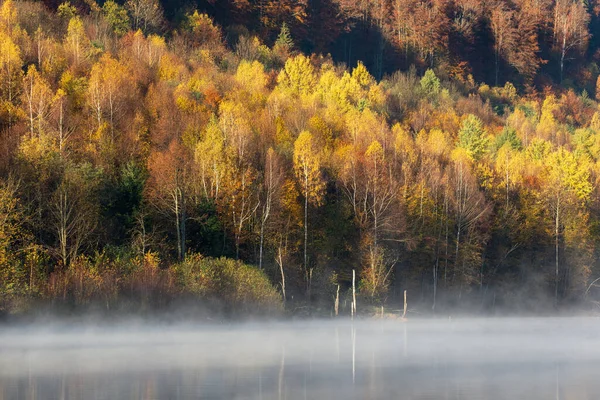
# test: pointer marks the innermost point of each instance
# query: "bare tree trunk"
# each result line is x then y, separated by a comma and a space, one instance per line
30, 103
177, 228
39, 49
562, 56
62, 230
507, 182
262, 239
353, 293
182, 224
178, 220
280, 262
405, 305
458, 231
60, 130
435, 279
30, 277
446, 240
557, 242
63, 132
112, 126
436, 265
306, 271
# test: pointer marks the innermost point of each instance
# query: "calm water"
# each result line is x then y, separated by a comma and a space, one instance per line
512, 359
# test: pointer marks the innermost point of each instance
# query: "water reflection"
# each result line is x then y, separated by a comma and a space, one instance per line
473, 359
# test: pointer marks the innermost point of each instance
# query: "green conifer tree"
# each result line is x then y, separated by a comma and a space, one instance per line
284, 40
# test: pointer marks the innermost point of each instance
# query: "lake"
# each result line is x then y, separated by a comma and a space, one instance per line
506, 358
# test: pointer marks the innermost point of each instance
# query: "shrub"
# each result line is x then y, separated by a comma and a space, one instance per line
233, 285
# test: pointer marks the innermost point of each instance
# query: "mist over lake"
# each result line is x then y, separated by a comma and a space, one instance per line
512, 358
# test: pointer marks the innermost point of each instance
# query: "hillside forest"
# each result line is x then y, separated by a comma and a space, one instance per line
249, 155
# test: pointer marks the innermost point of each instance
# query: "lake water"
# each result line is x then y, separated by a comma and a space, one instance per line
529, 359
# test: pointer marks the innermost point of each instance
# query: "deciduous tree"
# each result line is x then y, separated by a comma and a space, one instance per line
168, 185
110, 86
38, 99
571, 34
146, 15
567, 187
503, 28
74, 211
307, 168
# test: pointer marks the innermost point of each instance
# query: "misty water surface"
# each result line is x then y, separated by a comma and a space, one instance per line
420, 359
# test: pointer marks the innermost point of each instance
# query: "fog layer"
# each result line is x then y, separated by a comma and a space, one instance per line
319, 359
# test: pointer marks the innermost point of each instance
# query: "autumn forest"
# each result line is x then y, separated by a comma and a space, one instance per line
248, 156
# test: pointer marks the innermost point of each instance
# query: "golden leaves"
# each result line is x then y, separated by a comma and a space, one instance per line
307, 167
298, 76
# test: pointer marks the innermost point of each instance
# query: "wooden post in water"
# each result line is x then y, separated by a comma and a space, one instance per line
353, 293
405, 305
337, 301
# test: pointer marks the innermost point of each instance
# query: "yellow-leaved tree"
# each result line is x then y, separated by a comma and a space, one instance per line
380, 193
252, 78
10, 75
307, 168
470, 210
37, 100
210, 160
298, 76
8, 16
76, 40
547, 126
109, 88
567, 188
240, 198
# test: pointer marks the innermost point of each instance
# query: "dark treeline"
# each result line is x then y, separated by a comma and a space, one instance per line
531, 43
147, 159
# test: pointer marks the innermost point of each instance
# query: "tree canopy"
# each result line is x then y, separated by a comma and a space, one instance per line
150, 152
